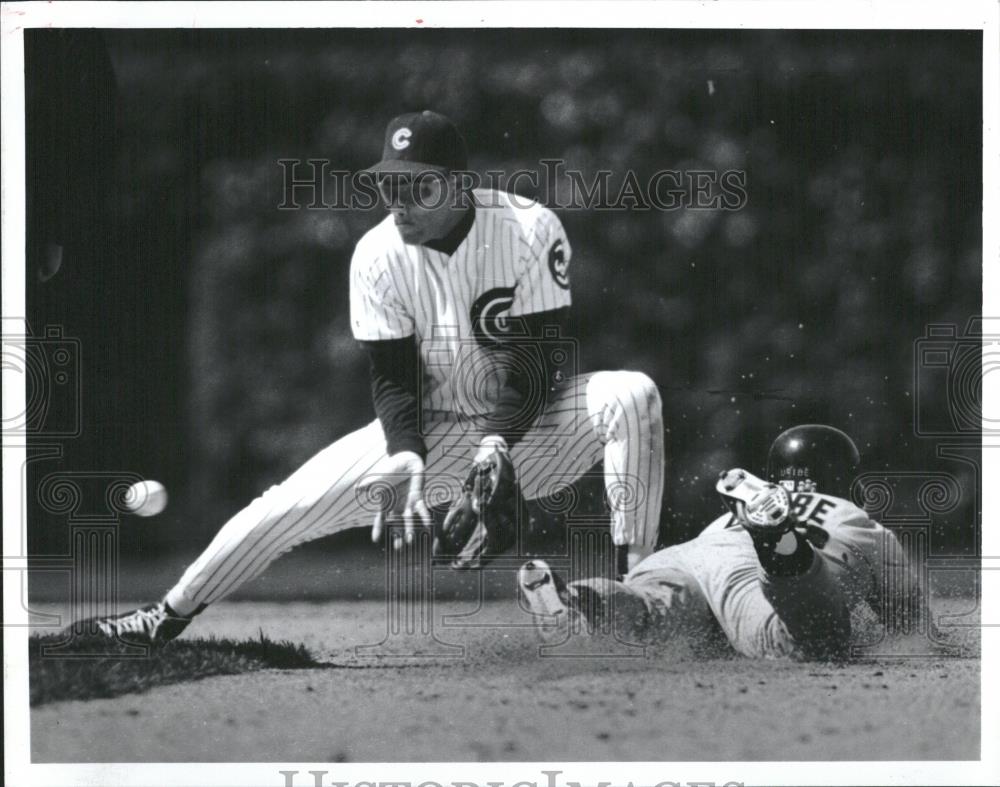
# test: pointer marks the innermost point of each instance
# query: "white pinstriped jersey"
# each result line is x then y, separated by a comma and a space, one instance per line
513, 261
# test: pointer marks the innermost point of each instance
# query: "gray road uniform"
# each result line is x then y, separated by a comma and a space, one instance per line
715, 582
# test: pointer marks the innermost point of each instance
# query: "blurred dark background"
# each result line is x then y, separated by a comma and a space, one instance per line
216, 354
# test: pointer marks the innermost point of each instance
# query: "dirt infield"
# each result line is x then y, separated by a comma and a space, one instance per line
496, 697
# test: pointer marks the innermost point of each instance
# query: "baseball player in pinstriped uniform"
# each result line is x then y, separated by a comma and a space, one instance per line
458, 296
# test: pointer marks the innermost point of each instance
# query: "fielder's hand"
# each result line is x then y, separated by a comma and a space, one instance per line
482, 522
398, 483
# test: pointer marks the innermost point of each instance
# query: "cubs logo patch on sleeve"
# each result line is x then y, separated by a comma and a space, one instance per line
559, 265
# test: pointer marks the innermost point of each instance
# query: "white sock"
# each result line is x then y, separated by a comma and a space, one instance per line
180, 605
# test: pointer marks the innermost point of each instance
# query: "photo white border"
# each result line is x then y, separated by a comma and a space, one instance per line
740, 14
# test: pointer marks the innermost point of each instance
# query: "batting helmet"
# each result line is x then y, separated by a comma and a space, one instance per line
813, 457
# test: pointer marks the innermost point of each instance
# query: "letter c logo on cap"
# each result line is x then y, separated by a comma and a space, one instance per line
401, 139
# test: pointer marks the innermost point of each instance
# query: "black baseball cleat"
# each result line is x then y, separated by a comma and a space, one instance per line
154, 624
555, 605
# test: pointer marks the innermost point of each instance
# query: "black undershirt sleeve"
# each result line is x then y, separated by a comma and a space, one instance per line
532, 373
394, 368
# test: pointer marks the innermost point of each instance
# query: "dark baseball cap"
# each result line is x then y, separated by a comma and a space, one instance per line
420, 141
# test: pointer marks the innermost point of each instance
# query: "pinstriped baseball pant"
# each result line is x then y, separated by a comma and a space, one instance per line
614, 416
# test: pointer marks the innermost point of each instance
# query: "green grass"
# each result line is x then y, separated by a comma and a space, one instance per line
112, 668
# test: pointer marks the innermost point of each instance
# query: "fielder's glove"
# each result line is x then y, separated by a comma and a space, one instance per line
482, 522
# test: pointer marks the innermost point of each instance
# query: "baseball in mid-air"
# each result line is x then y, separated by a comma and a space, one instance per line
146, 498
